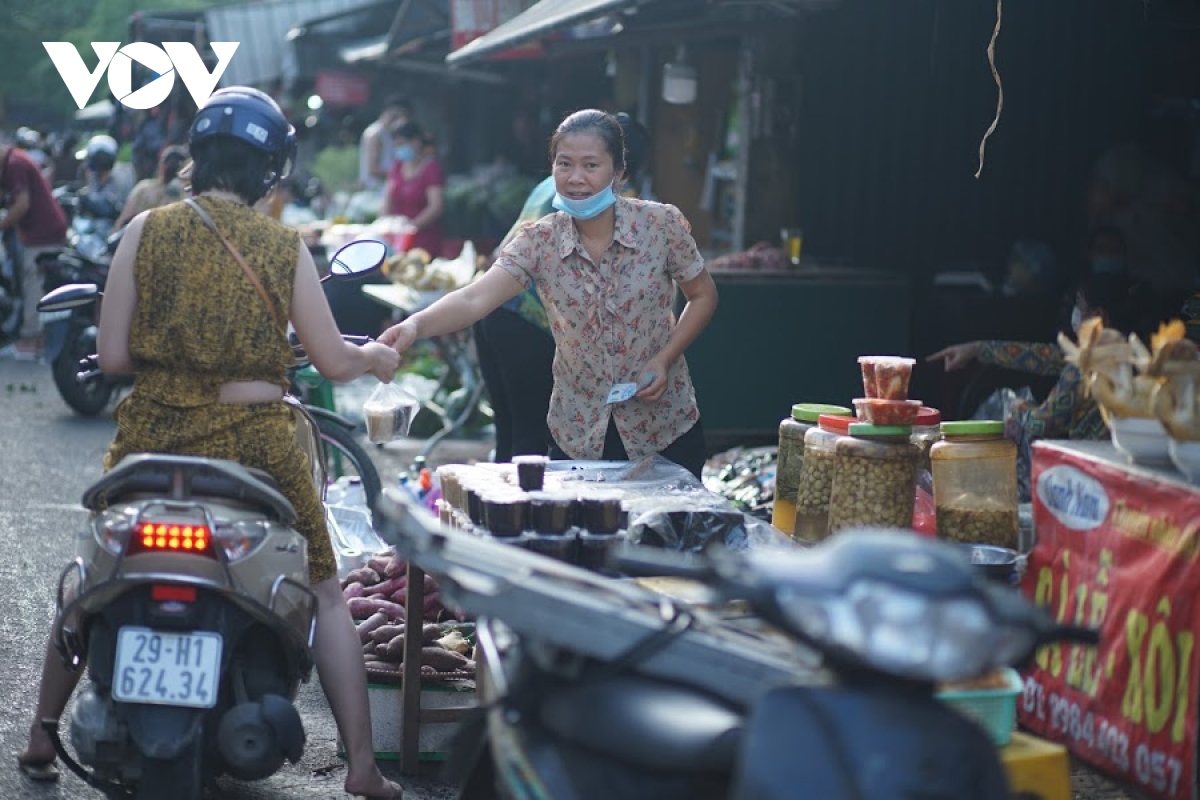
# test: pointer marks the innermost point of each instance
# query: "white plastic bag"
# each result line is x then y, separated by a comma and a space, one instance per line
389, 412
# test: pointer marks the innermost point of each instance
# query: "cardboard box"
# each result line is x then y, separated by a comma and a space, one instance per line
387, 726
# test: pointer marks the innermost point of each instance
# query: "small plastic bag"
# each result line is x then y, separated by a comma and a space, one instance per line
389, 412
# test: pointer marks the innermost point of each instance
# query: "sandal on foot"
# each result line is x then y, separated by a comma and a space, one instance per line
41, 771
397, 792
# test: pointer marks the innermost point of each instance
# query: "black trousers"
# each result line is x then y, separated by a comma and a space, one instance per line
688, 451
516, 359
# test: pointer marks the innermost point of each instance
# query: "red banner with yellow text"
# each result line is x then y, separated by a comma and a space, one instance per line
1119, 549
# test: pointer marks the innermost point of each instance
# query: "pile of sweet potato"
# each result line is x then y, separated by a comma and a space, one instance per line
376, 594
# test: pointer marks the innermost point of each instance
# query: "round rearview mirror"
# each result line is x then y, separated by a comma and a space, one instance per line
73, 295
357, 258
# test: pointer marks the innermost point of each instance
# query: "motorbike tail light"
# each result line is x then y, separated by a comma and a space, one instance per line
172, 537
112, 529
240, 539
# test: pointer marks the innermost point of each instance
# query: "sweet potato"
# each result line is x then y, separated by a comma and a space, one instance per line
430, 632
442, 659
390, 586
364, 575
363, 607
380, 561
395, 648
386, 633
353, 589
433, 600
371, 623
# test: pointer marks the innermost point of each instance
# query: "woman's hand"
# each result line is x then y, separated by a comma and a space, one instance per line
384, 361
957, 356
652, 381
400, 337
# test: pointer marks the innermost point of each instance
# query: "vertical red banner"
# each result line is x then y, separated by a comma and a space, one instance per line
1117, 548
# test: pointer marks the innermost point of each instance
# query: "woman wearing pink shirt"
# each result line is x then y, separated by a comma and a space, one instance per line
414, 186
606, 268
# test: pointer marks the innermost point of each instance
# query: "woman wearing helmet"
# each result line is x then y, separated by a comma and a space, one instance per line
211, 355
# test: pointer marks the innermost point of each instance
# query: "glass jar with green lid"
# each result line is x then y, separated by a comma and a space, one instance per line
874, 478
816, 476
975, 484
791, 458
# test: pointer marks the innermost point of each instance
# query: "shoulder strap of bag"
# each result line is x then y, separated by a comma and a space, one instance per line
237, 256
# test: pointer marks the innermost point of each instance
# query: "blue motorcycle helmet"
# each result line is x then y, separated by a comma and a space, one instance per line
253, 117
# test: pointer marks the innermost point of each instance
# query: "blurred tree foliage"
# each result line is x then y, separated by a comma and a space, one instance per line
28, 73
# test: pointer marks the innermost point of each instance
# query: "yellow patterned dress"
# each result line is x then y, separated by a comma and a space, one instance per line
198, 323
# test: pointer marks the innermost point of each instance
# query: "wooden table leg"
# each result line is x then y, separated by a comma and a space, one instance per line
410, 728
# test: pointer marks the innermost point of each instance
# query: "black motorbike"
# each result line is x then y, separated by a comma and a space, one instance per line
818, 682
70, 335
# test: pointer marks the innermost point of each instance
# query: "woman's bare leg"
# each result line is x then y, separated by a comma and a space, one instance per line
338, 656
55, 690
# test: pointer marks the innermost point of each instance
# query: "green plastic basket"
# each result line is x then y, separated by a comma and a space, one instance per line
994, 709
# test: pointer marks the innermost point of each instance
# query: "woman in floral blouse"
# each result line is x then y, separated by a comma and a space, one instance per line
606, 269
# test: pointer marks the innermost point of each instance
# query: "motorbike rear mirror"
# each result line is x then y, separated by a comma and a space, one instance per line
357, 258
73, 295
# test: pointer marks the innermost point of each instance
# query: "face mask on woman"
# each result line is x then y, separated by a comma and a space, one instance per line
405, 152
589, 206
1076, 318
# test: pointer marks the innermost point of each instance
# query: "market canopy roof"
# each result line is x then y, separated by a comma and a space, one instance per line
545, 17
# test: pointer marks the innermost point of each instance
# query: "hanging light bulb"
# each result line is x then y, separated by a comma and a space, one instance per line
679, 80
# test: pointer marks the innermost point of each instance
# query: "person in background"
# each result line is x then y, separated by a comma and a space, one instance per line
1068, 412
211, 377
607, 269
103, 195
165, 187
41, 226
375, 145
514, 342
414, 186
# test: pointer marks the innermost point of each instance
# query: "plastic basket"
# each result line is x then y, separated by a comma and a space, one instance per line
994, 709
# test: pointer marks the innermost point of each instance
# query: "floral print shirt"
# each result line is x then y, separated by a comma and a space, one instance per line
608, 320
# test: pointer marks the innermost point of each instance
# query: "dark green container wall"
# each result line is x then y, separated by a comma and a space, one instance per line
897, 96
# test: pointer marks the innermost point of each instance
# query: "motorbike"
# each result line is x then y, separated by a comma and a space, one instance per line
188, 600
782, 673
70, 334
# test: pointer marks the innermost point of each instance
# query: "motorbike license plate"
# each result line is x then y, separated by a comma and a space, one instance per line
173, 669
54, 316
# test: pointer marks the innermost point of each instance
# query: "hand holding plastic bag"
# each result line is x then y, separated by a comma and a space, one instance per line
389, 412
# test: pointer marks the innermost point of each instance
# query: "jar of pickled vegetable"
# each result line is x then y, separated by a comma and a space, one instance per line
791, 458
874, 478
975, 484
816, 477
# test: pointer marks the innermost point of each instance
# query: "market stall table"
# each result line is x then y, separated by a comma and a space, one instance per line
455, 350
1116, 548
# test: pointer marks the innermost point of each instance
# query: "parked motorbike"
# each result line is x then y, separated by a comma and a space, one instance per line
189, 600
822, 686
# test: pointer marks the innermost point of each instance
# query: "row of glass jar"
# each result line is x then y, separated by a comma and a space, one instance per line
836, 473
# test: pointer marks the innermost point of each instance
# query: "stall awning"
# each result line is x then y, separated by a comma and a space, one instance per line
546, 17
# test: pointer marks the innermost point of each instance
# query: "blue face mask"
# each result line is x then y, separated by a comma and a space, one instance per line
588, 207
405, 152
1108, 265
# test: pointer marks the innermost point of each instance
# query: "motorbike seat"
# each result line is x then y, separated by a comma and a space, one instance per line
646, 723
188, 477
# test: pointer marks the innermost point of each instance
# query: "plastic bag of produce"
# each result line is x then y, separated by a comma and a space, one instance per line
389, 412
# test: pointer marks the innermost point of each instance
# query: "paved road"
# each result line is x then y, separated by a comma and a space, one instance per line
50, 456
